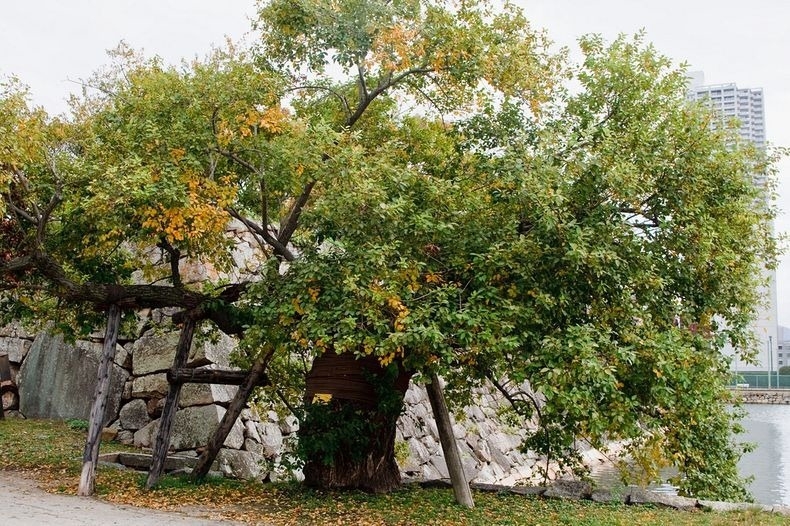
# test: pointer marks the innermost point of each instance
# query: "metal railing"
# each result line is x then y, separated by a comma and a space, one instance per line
760, 380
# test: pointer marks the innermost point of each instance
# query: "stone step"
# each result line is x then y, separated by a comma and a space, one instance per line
142, 461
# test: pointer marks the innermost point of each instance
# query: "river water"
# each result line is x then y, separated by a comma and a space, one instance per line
767, 426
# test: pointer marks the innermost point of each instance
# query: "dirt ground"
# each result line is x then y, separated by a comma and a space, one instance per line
23, 503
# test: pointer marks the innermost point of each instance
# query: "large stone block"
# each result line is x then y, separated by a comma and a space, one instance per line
289, 425
251, 431
192, 428
271, 439
569, 490
15, 330
58, 380
253, 446
15, 348
489, 474
154, 352
152, 385
214, 350
134, 415
244, 465
204, 394
418, 451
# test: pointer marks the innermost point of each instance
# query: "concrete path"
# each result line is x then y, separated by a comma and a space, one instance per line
24, 504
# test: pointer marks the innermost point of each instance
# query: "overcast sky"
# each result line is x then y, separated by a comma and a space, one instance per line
50, 44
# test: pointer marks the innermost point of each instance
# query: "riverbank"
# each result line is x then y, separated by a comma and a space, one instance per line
752, 395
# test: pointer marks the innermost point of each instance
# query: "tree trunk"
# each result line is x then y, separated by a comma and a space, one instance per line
254, 378
90, 457
441, 414
348, 433
171, 405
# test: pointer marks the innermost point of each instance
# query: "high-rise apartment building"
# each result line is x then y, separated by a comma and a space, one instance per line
731, 102
747, 106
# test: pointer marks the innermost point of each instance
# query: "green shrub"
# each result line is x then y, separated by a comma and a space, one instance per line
77, 424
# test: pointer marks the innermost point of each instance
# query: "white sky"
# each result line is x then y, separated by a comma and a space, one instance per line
49, 44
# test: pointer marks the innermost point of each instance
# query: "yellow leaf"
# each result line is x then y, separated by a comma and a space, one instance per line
322, 398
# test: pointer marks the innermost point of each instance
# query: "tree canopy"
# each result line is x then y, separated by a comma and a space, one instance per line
426, 190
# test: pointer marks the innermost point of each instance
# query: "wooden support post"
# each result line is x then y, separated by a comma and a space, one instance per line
5, 368
210, 376
90, 457
171, 405
254, 377
5, 376
463, 495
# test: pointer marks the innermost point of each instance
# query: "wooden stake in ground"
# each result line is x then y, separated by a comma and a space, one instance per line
171, 405
463, 495
90, 457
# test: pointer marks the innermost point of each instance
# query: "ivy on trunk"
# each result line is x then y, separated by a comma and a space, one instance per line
347, 433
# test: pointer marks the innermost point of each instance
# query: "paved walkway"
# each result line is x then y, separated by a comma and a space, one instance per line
23, 503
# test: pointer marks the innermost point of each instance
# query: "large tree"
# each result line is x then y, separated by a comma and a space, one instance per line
427, 199
603, 248
163, 157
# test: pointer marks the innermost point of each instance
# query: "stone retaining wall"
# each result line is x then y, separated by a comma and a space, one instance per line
764, 396
57, 379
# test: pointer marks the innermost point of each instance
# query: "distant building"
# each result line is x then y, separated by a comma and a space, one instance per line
747, 106
732, 102
783, 347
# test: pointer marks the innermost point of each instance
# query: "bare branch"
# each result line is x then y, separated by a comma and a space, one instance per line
88, 85
432, 102
255, 229
23, 181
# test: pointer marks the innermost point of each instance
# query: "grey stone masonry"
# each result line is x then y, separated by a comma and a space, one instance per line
489, 448
764, 396
58, 380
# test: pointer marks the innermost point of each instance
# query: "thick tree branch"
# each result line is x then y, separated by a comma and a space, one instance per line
238, 160
54, 201
19, 211
215, 308
174, 256
513, 401
263, 231
384, 84
361, 83
280, 249
290, 223
336, 94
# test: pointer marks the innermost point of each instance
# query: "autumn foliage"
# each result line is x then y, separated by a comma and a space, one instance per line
425, 192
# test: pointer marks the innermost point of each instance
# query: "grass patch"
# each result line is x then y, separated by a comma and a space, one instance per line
77, 425
51, 451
